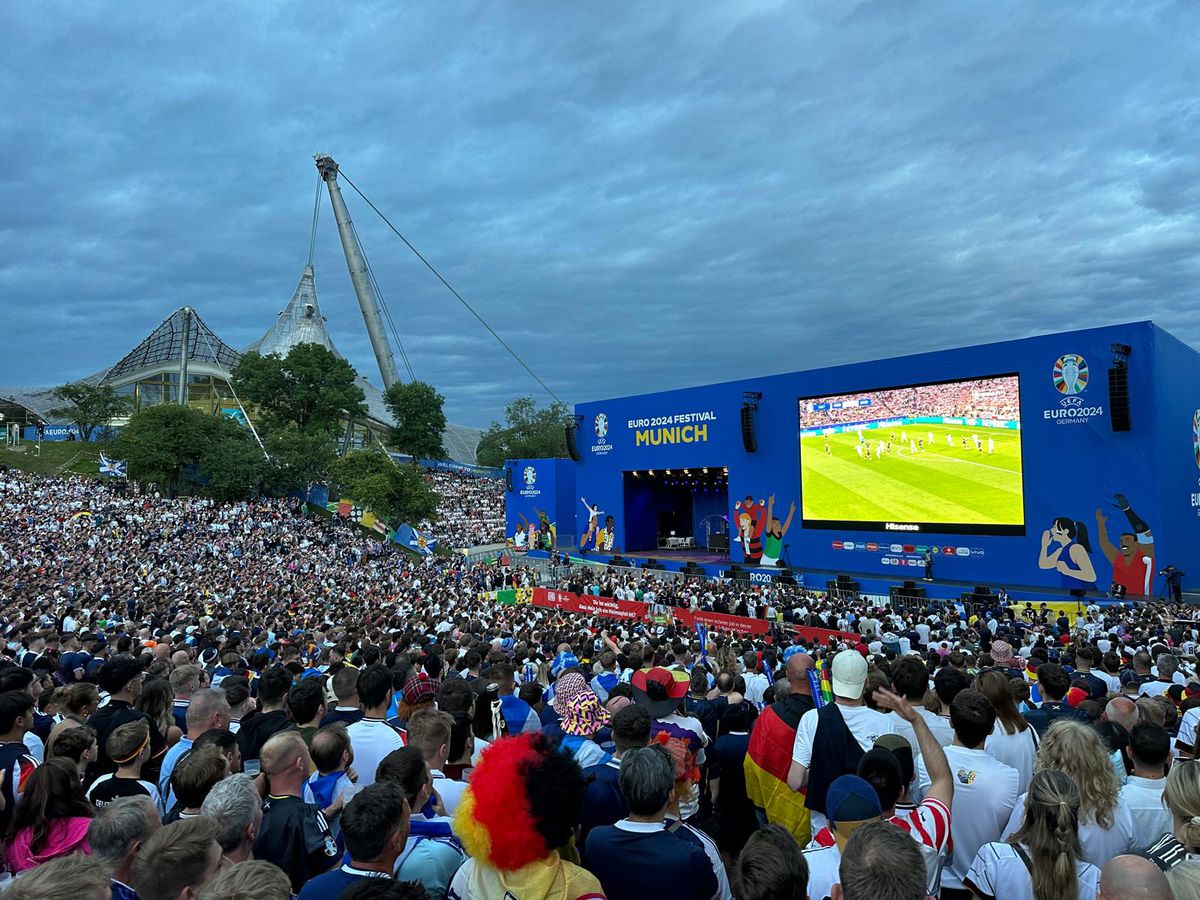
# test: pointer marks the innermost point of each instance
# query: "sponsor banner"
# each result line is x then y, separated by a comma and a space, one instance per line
588, 605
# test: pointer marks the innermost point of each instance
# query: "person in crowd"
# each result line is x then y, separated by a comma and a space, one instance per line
121, 677
375, 827
77, 745
177, 861
520, 807
1149, 754
1053, 683
194, 776
1042, 858
16, 763
345, 689
371, 736
985, 789
129, 747
735, 813
272, 717
637, 856
78, 701
831, 740
204, 710
518, 715
879, 863
235, 805
185, 681
1105, 821
1013, 741
293, 834
948, 682
117, 834
429, 731
432, 854
769, 753
581, 717
250, 880
662, 690
770, 867
50, 820
852, 803
604, 803
1133, 878
1176, 852
328, 788
306, 704
155, 700
68, 878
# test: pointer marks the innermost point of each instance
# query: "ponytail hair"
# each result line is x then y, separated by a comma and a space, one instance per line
1181, 796
1075, 530
1050, 830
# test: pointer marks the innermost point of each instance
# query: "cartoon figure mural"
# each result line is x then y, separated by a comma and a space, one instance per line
751, 519
594, 513
773, 543
606, 535
1066, 548
1133, 557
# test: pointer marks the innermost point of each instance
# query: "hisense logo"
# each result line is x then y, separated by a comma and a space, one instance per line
901, 526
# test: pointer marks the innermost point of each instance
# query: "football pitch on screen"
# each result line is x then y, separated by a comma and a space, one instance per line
945, 482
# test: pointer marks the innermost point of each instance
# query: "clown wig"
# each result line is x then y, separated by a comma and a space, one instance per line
523, 801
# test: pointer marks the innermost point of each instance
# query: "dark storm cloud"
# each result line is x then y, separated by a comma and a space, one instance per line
636, 197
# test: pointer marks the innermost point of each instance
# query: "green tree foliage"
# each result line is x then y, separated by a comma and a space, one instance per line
370, 477
311, 389
528, 433
182, 449
298, 459
420, 421
88, 405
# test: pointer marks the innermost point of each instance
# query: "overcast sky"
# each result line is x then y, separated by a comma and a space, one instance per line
636, 196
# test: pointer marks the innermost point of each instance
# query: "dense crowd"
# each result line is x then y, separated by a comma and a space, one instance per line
988, 398
470, 511
227, 701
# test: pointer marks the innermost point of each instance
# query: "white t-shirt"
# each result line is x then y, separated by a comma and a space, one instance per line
985, 793
939, 725
865, 724
998, 872
822, 871
1155, 688
1151, 818
1099, 845
450, 791
372, 740
1017, 750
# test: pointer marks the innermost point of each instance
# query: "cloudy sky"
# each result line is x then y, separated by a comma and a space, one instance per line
637, 196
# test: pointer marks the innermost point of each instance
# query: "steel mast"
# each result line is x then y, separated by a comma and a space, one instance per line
357, 264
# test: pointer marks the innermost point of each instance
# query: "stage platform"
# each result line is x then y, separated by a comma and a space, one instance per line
698, 555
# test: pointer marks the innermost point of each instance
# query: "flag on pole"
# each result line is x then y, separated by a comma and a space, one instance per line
112, 468
702, 634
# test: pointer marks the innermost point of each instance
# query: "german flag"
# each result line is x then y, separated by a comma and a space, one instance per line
768, 760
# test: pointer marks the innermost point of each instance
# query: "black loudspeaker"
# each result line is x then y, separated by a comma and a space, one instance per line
749, 438
1118, 398
508, 479
572, 450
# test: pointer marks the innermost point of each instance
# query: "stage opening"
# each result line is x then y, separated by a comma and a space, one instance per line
677, 512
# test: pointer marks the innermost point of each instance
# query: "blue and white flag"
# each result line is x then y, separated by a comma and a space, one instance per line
113, 468
409, 537
702, 635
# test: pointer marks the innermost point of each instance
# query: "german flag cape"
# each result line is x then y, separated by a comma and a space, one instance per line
767, 763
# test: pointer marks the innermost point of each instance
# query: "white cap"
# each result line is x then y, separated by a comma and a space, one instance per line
849, 672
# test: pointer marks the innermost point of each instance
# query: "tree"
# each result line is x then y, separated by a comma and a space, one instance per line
311, 389
298, 459
420, 421
180, 448
89, 406
528, 433
372, 478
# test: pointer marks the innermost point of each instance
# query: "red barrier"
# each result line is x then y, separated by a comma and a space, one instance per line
612, 608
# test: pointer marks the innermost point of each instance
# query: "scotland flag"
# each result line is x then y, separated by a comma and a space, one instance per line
113, 468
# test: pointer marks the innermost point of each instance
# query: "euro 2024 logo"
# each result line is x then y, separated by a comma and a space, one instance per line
601, 426
1196, 435
1071, 380
530, 476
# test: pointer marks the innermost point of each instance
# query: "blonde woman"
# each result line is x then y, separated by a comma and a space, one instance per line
1176, 851
1013, 741
1042, 858
1105, 821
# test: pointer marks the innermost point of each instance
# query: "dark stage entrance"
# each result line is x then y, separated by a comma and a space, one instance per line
677, 511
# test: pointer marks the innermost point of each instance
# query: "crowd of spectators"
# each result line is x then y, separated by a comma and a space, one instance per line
985, 398
214, 701
470, 511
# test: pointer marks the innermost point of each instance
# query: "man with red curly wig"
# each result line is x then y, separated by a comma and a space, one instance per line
520, 807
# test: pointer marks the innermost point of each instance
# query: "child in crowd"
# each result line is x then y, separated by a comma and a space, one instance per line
78, 745
129, 747
331, 786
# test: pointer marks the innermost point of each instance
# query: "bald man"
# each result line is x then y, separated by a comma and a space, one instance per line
1121, 711
797, 673
1133, 878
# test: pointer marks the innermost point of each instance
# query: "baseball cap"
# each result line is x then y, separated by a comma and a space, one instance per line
850, 802
849, 674
899, 746
1129, 677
